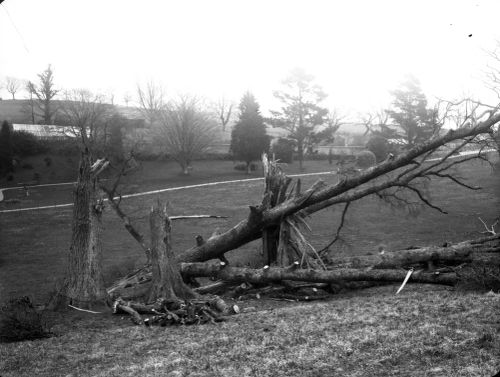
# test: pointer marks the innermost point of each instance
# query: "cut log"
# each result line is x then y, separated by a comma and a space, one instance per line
274, 274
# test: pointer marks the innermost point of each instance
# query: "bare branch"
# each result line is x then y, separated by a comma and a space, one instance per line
339, 228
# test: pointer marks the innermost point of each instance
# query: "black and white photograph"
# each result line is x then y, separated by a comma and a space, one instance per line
232, 188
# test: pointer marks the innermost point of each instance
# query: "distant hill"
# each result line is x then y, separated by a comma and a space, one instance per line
18, 111
12, 111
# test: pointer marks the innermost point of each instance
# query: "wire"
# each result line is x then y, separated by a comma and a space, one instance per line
14, 25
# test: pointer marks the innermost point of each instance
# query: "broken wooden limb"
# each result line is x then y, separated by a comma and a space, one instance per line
216, 287
120, 306
275, 274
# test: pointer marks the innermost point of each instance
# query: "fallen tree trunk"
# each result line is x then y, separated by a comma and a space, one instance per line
276, 274
483, 250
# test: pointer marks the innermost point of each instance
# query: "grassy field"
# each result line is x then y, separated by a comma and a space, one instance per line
427, 331
34, 243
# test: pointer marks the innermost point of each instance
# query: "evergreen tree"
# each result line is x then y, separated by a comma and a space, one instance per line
6, 149
412, 122
248, 137
301, 114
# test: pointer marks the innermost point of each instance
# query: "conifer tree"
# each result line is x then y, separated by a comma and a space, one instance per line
248, 137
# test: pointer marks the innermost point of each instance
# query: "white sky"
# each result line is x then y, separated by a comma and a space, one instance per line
358, 50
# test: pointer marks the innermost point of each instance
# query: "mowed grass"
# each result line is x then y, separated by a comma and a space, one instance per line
424, 331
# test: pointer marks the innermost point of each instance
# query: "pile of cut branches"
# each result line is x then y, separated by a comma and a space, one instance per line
176, 312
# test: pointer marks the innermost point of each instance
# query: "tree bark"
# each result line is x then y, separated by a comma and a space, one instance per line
276, 274
83, 285
167, 282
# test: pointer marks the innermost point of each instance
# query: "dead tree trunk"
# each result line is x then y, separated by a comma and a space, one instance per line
167, 283
276, 185
83, 285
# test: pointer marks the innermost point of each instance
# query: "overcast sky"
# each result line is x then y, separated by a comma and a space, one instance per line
358, 50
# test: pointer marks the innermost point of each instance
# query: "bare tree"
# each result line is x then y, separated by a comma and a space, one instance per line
45, 93
12, 85
85, 116
224, 109
185, 130
151, 98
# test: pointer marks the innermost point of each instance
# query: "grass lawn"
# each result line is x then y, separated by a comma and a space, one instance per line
425, 331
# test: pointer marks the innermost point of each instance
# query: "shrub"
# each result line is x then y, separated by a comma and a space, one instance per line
19, 321
365, 159
379, 146
26, 144
283, 150
243, 166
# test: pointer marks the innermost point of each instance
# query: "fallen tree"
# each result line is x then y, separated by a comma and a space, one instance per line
278, 274
281, 215
402, 173
380, 267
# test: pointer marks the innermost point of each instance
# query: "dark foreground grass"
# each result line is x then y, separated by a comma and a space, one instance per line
425, 331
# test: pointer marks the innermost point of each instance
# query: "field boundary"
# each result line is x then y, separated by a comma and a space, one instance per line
153, 192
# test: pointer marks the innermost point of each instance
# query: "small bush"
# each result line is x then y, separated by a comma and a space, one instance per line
19, 321
283, 150
243, 166
27, 166
365, 159
379, 146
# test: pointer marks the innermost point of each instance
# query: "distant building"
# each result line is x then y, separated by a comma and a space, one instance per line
43, 131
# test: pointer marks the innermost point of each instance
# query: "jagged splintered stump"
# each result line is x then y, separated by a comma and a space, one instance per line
167, 283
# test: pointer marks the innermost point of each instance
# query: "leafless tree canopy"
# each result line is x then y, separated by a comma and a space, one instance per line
84, 115
12, 85
185, 130
151, 98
